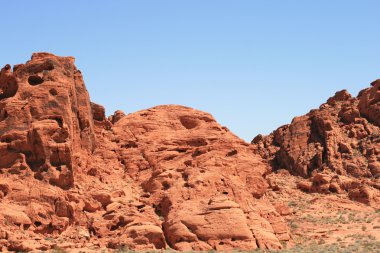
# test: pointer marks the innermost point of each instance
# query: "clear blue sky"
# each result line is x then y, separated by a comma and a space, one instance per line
253, 64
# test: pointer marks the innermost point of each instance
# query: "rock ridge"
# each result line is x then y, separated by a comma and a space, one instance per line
166, 177
335, 147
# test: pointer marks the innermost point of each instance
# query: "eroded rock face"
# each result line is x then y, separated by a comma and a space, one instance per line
169, 176
337, 147
45, 119
369, 104
202, 180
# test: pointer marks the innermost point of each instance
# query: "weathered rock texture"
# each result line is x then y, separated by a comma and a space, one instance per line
169, 176
337, 147
45, 119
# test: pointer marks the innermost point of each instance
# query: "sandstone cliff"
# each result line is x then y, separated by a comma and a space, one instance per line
166, 177
170, 177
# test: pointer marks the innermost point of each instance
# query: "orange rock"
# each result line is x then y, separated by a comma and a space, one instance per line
282, 209
15, 214
369, 103
168, 176
335, 146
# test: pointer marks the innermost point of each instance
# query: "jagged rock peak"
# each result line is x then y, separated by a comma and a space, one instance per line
339, 140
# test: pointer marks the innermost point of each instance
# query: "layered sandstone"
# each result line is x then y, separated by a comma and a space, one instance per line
166, 177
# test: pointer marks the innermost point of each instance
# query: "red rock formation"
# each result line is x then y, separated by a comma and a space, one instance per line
337, 146
169, 176
200, 178
45, 119
369, 105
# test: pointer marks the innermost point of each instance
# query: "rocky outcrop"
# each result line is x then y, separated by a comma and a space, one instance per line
202, 180
45, 119
169, 176
336, 146
166, 177
369, 104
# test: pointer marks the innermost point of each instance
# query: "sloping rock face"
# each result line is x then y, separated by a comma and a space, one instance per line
169, 176
201, 179
337, 147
